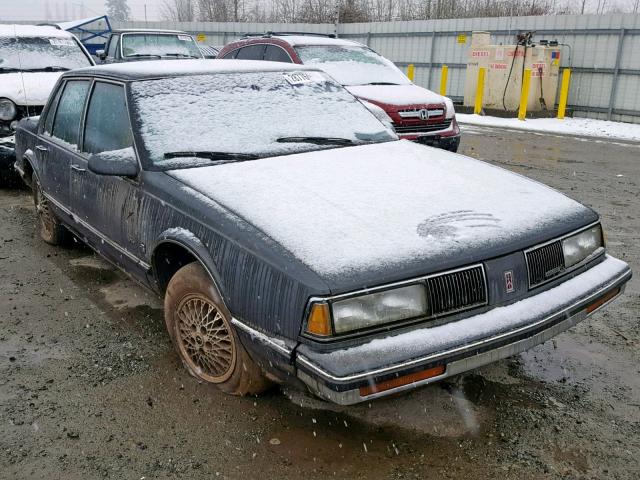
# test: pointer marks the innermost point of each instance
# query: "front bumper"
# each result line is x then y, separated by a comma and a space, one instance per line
7, 154
446, 143
351, 375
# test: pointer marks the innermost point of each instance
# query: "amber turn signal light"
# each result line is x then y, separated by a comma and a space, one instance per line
319, 320
403, 380
602, 300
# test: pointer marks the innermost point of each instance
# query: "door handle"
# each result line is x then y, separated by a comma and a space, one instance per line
41, 148
78, 169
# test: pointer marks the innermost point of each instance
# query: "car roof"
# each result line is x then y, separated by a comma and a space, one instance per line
300, 39
144, 70
148, 30
23, 31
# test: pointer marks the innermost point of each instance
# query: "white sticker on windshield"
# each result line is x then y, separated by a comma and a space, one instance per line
302, 78
184, 38
61, 42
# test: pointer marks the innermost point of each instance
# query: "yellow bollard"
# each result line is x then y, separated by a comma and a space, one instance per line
411, 71
564, 92
524, 94
443, 80
479, 91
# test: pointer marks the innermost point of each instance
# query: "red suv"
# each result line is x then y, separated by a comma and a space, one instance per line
414, 112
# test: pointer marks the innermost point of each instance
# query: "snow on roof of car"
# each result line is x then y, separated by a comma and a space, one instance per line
171, 68
32, 31
315, 40
148, 30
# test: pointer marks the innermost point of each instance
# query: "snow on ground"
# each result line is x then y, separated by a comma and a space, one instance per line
569, 126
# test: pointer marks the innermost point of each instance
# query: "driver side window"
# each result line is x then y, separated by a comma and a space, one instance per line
107, 126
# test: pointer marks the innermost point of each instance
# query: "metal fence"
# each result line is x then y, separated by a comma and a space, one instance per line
602, 50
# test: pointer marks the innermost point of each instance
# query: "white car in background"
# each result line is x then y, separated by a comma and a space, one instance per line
31, 61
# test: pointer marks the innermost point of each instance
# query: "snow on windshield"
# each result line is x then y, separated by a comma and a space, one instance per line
136, 44
351, 65
32, 53
247, 113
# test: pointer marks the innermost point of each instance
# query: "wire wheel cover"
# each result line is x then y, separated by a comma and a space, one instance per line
44, 213
205, 339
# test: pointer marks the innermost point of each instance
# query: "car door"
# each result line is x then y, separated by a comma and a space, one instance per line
58, 144
104, 204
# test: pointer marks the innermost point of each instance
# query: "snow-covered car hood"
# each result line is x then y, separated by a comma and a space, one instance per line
396, 94
375, 209
37, 85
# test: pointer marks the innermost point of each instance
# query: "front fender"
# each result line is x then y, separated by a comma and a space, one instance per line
190, 242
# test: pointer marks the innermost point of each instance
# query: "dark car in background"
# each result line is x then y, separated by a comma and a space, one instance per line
414, 112
129, 45
318, 250
31, 61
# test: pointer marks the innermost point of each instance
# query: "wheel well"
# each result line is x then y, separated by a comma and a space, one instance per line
28, 171
168, 258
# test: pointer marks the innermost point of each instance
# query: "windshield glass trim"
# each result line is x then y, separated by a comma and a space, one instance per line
150, 111
174, 34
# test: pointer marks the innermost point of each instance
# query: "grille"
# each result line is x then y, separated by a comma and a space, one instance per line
457, 290
545, 263
422, 128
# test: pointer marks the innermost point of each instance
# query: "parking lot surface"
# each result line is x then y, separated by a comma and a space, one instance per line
91, 388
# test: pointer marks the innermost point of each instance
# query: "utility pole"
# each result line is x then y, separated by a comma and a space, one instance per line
337, 17
145, 13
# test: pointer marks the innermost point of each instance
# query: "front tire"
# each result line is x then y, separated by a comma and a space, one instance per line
200, 328
51, 230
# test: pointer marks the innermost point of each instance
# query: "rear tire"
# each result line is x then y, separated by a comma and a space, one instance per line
51, 230
200, 328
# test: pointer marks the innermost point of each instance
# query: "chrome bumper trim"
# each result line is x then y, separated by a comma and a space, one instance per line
456, 367
435, 357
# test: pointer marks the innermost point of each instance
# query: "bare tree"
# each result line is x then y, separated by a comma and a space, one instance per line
178, 10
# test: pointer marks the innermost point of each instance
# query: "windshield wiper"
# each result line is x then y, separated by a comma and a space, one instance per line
50, 68
180, 55
381, 83
9, 70
138, 55
316, 140
216, 156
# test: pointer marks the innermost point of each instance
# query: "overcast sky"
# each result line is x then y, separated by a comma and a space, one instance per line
75, 9
70, 9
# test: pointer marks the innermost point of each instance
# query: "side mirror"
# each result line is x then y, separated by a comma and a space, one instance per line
118, 163
101, 54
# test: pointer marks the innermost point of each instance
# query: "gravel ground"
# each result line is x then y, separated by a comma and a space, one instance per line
90, 387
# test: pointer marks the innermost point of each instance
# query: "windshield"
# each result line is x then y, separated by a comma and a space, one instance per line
258, 114
142, 44
33, 53
352, 65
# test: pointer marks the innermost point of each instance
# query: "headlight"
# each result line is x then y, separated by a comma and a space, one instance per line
451, 111
7, 109
379, 113
578, 247
369, 310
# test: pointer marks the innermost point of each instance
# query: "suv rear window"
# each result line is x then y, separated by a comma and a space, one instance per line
252, 52
274, 53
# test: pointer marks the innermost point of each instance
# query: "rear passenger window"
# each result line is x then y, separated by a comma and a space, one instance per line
276, 54
66, 125
107, 125
48, 123
252, 52
231, 54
